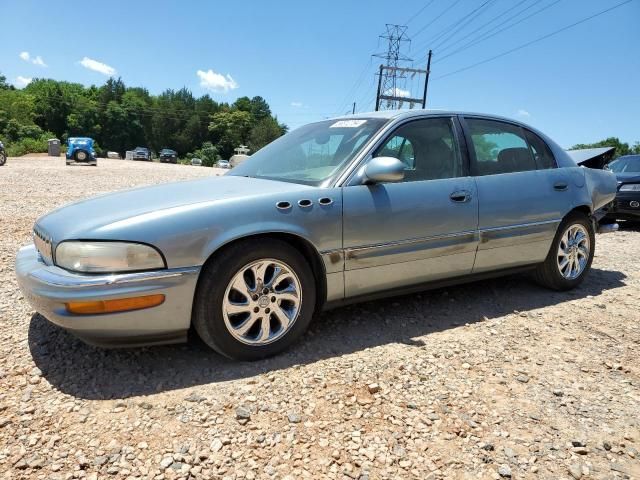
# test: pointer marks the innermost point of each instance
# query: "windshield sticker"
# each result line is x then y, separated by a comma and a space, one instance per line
348, 123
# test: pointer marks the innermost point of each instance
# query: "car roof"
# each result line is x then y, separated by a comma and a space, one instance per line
419, 112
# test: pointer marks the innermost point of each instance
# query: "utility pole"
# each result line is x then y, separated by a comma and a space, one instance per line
354, 108
426, 80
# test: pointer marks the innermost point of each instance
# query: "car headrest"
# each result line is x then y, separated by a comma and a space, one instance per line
515, 160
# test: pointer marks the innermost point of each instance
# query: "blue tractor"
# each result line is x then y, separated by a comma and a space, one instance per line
80, 150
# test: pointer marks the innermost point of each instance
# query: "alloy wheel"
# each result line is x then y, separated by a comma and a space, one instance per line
573, 251
262, 302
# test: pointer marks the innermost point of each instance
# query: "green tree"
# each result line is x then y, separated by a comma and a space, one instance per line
230, 129
4, 85
263, 133
621, 148
120, 118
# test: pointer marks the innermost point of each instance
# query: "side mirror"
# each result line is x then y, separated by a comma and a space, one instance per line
384, 170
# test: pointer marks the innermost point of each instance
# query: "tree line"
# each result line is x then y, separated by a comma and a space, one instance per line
120, 118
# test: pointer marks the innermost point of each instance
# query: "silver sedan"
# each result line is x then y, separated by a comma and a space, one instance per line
333, 212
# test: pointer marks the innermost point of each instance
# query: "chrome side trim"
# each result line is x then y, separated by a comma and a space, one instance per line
410, 250
333, 260
520, 225
409, 241
509, 235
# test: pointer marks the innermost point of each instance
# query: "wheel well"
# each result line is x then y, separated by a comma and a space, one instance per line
303, 246
582, 209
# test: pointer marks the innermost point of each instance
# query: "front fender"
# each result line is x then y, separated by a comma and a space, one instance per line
188, 236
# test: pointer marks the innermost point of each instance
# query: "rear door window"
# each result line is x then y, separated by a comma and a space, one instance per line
499, 147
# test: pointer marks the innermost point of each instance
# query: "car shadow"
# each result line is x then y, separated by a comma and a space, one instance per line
93, 373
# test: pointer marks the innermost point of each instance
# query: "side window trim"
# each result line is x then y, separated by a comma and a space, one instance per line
472, 151
455, 131
527, 132
353, 176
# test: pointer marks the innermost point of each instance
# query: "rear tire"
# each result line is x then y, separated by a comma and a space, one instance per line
569, 259
3, 159
254, 299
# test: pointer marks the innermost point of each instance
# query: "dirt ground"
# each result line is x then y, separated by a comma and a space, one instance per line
496, 379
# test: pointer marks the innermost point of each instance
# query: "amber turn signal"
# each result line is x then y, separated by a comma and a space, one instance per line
115, 305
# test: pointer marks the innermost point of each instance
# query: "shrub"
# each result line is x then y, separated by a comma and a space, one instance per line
29, 145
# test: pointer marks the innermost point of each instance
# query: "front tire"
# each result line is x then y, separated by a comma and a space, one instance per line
3, 158
254, 299
571, 254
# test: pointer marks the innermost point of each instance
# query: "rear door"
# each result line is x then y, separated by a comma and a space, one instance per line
522, 196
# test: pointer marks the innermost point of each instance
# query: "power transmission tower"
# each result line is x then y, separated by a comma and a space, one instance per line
389, 95
396, 36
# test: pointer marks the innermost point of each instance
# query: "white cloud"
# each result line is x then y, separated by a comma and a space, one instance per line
97, 66
22, 82
523, 113
37, 60
216, 81
398, 92
297, 104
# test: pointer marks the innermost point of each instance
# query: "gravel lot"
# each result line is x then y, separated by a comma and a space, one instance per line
498, 379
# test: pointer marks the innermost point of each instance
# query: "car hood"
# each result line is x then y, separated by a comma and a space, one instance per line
87, 219
628, 177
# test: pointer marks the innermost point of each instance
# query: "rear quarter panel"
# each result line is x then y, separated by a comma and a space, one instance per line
601, 186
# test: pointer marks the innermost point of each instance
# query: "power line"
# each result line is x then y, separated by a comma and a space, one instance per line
471, 17
423, 28
544, 37
488, 23
419, 12
487, 35
354, 88
447, 29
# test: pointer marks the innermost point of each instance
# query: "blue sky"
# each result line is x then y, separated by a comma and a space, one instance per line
581, 85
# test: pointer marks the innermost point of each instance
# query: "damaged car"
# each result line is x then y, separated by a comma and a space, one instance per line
337, 211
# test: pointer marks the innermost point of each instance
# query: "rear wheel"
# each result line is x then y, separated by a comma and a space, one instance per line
3, 158
254, 300
571, 254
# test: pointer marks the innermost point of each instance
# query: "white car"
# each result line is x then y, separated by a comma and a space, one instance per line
196, 162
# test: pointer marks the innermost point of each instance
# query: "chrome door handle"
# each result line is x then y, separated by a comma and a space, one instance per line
460, 196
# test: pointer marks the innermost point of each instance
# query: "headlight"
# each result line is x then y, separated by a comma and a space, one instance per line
107, 257
632, 187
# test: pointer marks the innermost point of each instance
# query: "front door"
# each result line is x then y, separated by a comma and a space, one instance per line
418, 230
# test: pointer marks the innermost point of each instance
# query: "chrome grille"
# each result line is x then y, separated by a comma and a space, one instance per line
43, 244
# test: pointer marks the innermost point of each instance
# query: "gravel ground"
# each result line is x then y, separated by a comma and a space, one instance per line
497, 379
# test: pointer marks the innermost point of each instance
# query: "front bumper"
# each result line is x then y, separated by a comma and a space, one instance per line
48, 288
626, 206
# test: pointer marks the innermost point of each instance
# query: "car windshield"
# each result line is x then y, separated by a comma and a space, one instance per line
312, 154
626, 165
